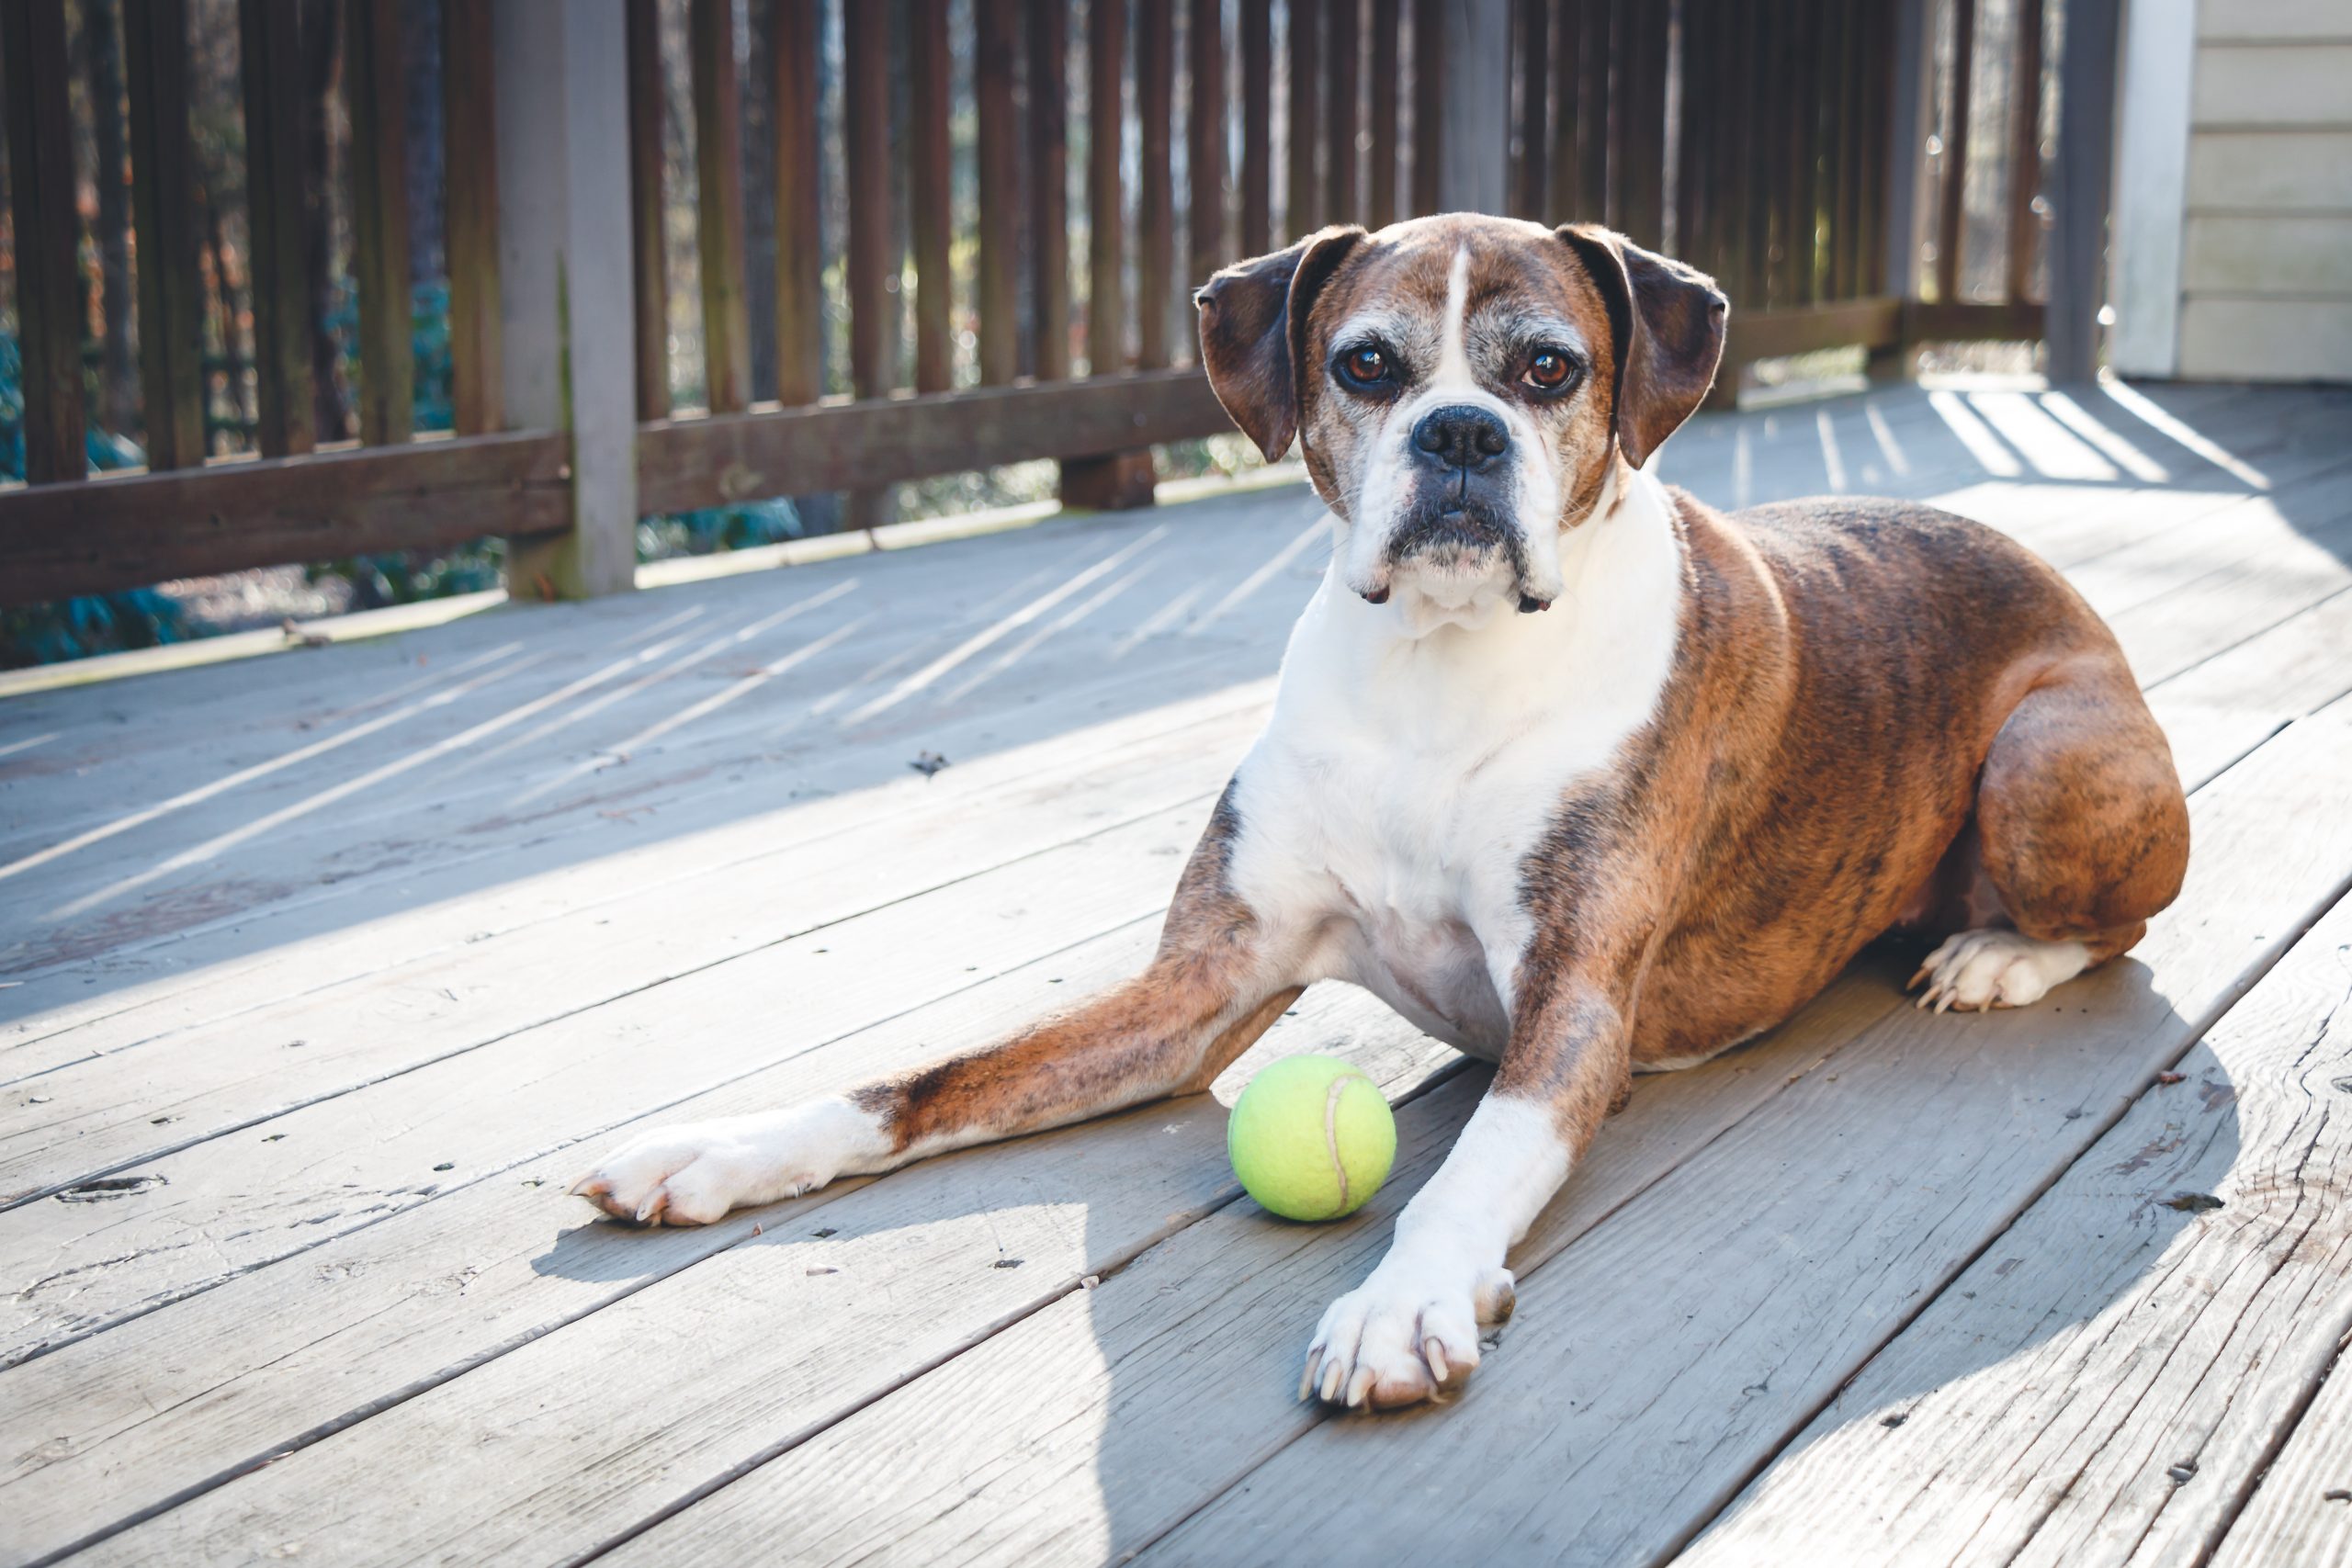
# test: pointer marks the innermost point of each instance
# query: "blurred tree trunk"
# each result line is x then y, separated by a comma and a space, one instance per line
118, 407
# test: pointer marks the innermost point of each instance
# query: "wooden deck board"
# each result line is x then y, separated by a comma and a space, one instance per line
2106, 1383
500, 989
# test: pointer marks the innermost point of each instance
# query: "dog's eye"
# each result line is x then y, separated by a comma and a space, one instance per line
1550, 370
1365, 366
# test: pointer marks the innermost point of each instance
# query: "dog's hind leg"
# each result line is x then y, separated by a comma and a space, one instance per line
2081, 831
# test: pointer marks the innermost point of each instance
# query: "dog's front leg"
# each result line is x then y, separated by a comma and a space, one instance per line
1221, 977
1410, 1331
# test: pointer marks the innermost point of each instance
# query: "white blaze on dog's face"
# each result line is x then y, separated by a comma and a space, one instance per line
1460, 387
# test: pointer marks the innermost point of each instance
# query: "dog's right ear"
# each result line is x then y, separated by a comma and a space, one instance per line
1253, 334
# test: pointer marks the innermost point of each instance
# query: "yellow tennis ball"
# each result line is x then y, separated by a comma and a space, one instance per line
1311, 1138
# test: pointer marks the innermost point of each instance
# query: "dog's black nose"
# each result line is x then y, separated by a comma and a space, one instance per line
1461, 436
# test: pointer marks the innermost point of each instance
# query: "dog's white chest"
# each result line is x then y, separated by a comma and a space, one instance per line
1390, 807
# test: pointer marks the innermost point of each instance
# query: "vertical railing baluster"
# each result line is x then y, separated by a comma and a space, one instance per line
1204, 129
1049, 175
1380, 203
872, 263
799, 212
1343, 49
1429, 101
1531, 50
929, 219
469, 217
1257, 127
375, 93
1592, 112
270, 64
1642, 153
1302, 211
1563, 201
1106, 25
718, 204
997, 301
648, 246
1951, 207
1156, 195
162, 215
2025, 149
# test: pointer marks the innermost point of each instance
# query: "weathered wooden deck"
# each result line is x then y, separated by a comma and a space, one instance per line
327, 972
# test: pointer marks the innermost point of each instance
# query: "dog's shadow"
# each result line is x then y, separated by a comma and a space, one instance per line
938, 1326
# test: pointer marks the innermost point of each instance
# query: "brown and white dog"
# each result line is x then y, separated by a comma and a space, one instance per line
1575, 772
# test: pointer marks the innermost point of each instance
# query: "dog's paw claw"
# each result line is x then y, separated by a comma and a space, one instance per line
1976, 971
1403, 1340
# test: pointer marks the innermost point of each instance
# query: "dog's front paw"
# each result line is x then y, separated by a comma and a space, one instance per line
1408, 1334
694, 1173
1995, 967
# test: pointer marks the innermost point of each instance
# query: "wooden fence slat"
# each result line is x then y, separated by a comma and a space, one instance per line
1106, 23
995, 69
375, 92
1205, 127
2025, 149
1302, 210
1343, 49
270, 66
1532, 51
1049, 175
929, 218
1845, 155
1257, 127
648, 250
51, 304
867, 132
1952, 219
2080, 179
1644, 147
1593, 113
1877, 133
1692, 151
1804, 151
718, 204
1429, 101
469, 217
163, 205
1156, 200
1562, 198
1380, 203
799, 214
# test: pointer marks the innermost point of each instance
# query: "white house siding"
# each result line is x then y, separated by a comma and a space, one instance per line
2265, 246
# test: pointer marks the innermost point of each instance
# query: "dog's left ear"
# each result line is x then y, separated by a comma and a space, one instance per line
1668, 321
1253, 334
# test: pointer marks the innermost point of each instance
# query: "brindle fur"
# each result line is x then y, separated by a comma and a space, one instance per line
1169, 1030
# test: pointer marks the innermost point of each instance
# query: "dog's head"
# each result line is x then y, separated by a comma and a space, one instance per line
1461, 388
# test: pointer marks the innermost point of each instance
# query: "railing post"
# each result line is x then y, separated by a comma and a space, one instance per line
564, 302
1473, 120
1910, 104
2078, 193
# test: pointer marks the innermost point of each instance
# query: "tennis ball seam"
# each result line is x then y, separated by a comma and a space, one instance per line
1331, 1130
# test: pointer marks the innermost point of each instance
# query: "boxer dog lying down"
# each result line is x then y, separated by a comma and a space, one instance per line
1577, 774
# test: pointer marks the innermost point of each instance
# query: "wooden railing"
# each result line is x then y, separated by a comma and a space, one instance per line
1783, 147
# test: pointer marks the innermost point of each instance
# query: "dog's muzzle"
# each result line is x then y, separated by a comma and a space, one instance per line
1459, 516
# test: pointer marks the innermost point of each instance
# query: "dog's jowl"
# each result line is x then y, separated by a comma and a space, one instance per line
1576, 774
